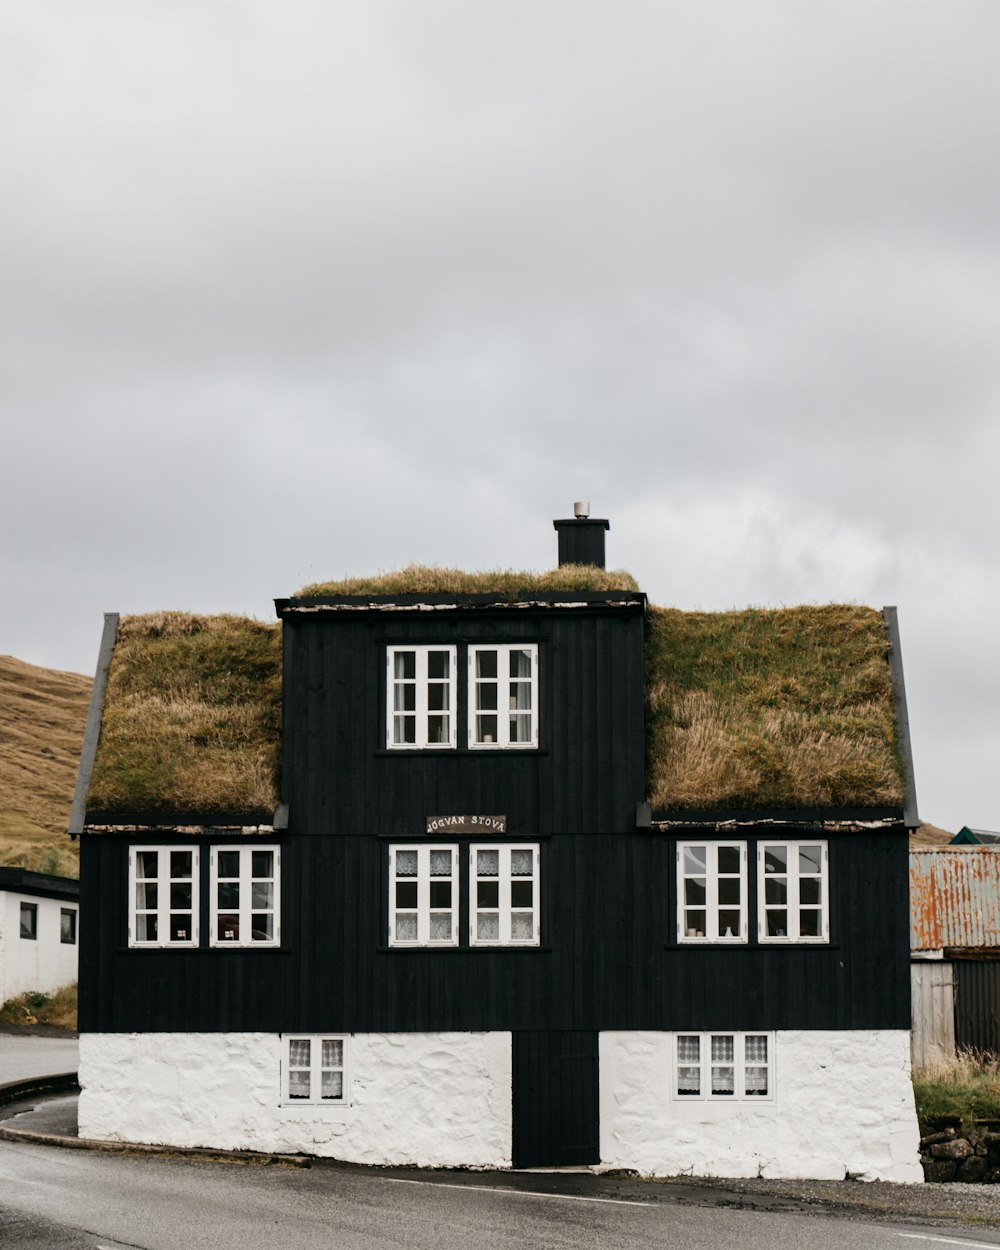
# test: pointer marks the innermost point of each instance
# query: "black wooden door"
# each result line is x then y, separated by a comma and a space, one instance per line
555, 1109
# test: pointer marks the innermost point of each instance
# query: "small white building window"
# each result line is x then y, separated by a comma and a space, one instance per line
503, 696
712, 892
315, 1071
423, 895
420, 692
793, 892
29, 921
724, 1067
67, 926
503, 895
163, 896
246, 887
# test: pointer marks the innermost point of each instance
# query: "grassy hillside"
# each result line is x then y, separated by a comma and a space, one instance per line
42, 715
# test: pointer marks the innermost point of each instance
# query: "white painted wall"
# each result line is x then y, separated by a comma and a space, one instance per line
44, 964
427, 1099
843, 1103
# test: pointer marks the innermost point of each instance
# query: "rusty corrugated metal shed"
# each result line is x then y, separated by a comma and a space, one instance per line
955, 898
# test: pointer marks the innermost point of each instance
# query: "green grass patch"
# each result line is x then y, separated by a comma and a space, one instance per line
509, 584
967, 1085
57, 1009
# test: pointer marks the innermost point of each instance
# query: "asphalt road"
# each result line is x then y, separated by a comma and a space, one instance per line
23, 1055
60, 1199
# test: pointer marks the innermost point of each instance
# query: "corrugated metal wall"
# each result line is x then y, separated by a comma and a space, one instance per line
977, 1003
933, 999
955, 898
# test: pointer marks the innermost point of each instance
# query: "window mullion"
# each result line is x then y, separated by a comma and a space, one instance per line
423, 895
712, 892
505, 900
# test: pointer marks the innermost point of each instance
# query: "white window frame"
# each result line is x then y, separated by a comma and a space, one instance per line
423, 909
792, 901
163, 909
505, 907
503, 683
422, 712
316, 1070
246, 908
706, 1064
712, 904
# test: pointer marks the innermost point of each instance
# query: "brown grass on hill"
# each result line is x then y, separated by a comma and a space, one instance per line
770, 708
191, 718
419, 579
928, 836
42, 717
57, 1009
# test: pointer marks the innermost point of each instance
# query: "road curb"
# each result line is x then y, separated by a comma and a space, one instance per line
56, 1083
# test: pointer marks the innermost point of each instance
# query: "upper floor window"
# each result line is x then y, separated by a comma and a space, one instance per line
163, 896
423, 900
712, 891
503, 696
726, 1066
420, 691
29, 921
245, 891
793, 892
503, 886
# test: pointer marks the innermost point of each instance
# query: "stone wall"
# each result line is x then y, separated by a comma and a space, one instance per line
953, 1151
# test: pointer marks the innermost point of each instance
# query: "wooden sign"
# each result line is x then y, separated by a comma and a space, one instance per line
466, 824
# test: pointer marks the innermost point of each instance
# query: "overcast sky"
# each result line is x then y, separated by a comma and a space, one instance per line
295, 290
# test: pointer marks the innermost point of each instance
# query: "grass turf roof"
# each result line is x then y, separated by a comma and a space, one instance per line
419, 579
192, 717
788, 708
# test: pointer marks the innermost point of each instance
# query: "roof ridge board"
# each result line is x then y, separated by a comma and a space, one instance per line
467, 597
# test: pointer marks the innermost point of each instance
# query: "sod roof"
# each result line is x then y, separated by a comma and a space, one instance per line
786, 708
510, 584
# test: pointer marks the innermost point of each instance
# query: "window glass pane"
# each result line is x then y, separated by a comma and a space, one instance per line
777, 923
775, 859
729, 924
522, 894
406, 893
405, 665
729, 891
441, 862
488, 894
29, 920
180, 895
146, 864
521, 927
406, 863
145, 928
67, 925
404, 698
486, 729
694, 891
522, 863
776, 890
298, 1084
332, 1085
488, 927
689, 1050
694, 859
486, 697
404, 729
437, 729
756, 1048
406, 928
729, 859
180, 926
262, 895
228, 894
145, 896
694, 922
486, 664
438, 697
810, 859
228, 863
809, 890
229, 927
756, 1081
333, 1052
723, 1080
520, 728
722, 1049
262, 864
440, 894
180, 863
520, 664
438, 665
809, 923
487, 863
298, 1053
441, 926
689, 1080
262, 926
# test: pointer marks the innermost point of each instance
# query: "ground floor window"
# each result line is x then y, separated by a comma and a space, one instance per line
67, 926
29, 921
723, 1066
315, 1070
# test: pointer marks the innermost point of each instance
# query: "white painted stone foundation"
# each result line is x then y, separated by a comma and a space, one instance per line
843, 1102
427, 1099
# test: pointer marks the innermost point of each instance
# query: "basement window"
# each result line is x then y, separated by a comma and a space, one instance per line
423, 895
29, 921
712, 892
315, 1071
503, 895
420, 692
503, 696
723, 1067
246, 882
163, 896
793, 892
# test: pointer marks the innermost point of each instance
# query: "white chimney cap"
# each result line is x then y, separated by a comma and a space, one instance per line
581, 509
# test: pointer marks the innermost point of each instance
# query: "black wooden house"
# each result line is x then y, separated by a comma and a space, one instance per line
502, 870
